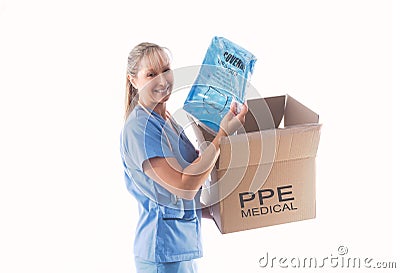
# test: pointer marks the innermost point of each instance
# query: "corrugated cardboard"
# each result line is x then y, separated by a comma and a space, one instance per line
265, 174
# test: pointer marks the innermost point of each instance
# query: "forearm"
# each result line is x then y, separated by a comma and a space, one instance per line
196, 173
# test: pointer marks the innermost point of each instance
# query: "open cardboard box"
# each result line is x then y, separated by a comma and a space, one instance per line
265, 174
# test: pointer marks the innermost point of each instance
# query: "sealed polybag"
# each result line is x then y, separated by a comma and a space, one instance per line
223, 78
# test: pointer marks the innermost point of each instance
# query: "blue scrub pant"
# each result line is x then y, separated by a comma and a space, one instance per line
143, 266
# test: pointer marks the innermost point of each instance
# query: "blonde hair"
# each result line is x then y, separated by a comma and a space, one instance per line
155, 55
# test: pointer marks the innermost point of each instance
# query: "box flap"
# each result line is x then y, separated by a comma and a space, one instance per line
296, 113
269, 146
264, 113
297, 142
247, 149
276, 106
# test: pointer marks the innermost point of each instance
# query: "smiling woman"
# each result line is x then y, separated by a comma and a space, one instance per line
163, 170
142, 71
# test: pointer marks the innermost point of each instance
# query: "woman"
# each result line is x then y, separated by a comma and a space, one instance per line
162, 168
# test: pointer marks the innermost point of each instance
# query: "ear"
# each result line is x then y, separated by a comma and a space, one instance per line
132, 80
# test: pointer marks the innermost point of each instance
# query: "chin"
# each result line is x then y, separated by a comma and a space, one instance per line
165, 99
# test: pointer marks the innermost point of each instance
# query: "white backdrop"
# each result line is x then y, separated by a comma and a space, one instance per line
63, 202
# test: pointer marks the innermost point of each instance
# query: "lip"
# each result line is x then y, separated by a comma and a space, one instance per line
162, 91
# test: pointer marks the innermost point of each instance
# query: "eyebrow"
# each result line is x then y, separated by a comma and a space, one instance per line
154, 70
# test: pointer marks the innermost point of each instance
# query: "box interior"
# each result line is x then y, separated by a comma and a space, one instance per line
268, 113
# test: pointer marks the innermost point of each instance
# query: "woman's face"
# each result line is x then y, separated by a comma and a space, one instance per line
154, 83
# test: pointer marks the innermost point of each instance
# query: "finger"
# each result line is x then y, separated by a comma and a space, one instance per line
243, 111
233, 107
230, 114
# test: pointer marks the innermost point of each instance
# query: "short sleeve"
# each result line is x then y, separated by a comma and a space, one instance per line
144, 139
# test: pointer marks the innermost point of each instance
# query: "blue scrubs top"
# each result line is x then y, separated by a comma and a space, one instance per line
168, 229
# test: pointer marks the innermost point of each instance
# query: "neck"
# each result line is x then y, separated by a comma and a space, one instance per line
159, 108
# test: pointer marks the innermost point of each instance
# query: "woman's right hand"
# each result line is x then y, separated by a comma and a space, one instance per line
232, 122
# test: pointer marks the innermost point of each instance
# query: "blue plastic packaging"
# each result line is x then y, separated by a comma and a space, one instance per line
223, 78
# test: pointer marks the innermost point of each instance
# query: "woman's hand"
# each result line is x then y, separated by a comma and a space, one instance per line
232, 122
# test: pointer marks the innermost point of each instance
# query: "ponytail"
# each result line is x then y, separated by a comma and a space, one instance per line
131, 97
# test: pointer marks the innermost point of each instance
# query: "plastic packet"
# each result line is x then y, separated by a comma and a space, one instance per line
223, 78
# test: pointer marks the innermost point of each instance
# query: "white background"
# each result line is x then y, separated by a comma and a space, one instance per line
63, 202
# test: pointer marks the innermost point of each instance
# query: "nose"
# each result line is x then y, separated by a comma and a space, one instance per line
162, 80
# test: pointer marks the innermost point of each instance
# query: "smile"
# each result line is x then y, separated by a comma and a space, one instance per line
162, 91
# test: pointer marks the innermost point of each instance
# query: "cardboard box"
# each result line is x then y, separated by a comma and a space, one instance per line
265, 174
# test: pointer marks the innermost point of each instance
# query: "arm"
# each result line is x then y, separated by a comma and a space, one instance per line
186, 182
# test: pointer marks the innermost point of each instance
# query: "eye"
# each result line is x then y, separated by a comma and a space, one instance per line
166, 70
151, 74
